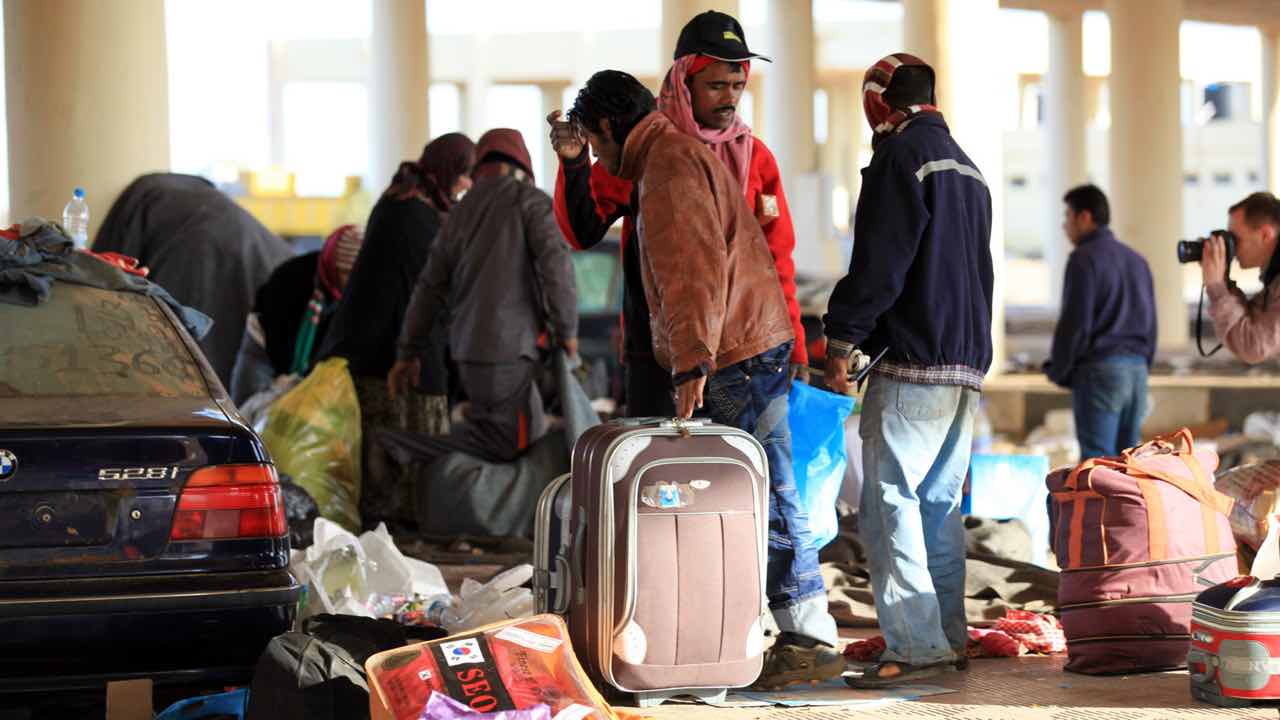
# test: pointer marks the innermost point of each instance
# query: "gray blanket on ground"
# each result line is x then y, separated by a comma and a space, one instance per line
997, 576
464, 495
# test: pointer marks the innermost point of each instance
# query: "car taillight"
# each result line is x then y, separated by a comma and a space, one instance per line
230, 501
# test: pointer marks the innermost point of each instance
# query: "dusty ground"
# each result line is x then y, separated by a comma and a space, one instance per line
1034, 688
1030, 688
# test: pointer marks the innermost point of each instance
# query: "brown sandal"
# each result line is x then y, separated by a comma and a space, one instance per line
874, 676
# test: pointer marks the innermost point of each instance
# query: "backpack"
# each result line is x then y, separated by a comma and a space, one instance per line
318, 674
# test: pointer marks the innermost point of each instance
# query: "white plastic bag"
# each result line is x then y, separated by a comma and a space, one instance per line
348, 575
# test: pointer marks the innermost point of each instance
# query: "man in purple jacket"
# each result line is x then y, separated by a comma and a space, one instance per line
1106, 335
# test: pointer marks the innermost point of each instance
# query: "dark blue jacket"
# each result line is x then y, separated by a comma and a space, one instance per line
920, 281
1108, 307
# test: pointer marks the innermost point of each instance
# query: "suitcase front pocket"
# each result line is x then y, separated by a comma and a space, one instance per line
696, 594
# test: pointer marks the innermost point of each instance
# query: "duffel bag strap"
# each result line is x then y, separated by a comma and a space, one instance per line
1175, 443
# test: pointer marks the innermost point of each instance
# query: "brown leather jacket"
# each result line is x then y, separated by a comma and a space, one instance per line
713, 291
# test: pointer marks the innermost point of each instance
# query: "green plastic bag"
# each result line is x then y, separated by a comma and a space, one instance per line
313, 433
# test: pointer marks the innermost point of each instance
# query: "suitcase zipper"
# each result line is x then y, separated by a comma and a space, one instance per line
1267, 622
1112, 638
633, 519
1155, 599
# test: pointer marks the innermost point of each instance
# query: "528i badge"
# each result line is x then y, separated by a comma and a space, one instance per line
149, 473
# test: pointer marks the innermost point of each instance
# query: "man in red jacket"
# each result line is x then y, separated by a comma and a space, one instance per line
700, 96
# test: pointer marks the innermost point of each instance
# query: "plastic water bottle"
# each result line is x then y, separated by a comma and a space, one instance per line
439, 611
75, 219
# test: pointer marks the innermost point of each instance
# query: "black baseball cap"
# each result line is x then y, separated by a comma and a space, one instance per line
716, 35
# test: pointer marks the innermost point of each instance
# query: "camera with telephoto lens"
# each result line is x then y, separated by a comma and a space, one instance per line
1192, 250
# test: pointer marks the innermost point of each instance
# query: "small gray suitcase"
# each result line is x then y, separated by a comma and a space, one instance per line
551, 548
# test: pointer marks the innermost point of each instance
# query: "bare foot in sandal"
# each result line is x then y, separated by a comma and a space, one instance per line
892, 672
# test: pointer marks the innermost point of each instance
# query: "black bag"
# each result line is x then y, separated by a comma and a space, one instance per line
318, 674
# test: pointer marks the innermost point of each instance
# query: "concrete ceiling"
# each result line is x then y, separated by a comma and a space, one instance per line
1264, 13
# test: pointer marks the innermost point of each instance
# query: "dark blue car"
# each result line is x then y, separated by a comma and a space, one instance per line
142, 530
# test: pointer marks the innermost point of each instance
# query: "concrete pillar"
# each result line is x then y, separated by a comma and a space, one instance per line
552, 99
1065, 122
675, 13
1271, 107
276, 61
757, 88
788, 111
840, 155
788, 100
1146, 148
1093, 89
975, 87
475, 89
87, 101
399, 83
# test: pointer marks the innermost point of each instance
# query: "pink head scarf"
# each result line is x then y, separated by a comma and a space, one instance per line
732, 145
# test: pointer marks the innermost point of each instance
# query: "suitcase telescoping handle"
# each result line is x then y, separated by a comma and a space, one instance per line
577, 552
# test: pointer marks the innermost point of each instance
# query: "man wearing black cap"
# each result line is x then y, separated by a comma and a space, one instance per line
700, 96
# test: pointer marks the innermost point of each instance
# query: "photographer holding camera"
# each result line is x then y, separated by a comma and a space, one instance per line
1248, 327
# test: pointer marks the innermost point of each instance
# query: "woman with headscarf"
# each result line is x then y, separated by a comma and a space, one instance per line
398, 238
291, 312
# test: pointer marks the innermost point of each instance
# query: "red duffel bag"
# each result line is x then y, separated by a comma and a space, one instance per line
1132, 535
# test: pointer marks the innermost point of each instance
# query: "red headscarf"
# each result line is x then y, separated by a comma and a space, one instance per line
509, 145
443, 161
336, 256
885, 119
733, 144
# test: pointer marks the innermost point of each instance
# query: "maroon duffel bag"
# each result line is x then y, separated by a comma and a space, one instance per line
1132, 534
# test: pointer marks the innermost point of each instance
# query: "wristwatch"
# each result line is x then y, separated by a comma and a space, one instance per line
699, 370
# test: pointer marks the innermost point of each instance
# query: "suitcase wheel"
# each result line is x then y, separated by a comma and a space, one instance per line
1206, 692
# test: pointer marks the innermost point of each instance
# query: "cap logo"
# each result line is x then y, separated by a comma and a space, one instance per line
731, 35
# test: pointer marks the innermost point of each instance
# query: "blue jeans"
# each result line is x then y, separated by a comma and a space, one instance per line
1109, 400
915, 454
752, 396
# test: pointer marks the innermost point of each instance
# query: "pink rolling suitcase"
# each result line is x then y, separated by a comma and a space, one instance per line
665, 556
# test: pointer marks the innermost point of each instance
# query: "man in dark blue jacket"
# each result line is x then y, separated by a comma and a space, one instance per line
919, 285
1106, 335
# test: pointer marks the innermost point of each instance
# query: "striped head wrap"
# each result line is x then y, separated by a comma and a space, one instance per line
883, 117
337, 257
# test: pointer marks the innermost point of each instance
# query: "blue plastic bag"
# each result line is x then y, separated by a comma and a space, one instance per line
818, 455
232, 704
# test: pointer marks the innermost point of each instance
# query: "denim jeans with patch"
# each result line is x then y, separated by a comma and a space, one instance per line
752, 396
1109, 401
915, 453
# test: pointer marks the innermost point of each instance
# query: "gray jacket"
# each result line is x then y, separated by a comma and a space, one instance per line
482, 273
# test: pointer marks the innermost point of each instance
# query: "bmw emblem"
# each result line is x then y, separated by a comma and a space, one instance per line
8, 465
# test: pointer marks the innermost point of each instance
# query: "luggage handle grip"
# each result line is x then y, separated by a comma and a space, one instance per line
566, 584
682, 424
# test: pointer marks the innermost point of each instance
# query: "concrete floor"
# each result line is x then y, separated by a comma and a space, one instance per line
1025, 688
1034, 688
